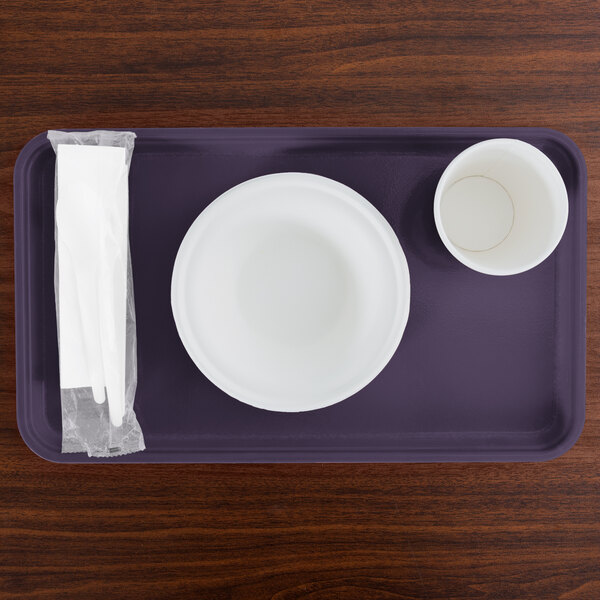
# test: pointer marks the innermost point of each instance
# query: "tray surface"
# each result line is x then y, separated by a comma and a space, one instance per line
489, 368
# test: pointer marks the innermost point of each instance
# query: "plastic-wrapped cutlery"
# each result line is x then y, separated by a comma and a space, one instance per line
96, 346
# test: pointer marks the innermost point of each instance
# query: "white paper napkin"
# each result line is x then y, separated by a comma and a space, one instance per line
92, 230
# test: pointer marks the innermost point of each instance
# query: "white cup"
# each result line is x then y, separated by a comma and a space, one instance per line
501, 207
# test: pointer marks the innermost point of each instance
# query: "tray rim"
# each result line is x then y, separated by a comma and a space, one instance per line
277, 455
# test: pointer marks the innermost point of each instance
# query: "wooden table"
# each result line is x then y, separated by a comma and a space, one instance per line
291, 532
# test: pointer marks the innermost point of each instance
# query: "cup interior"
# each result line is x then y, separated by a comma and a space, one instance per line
501, 206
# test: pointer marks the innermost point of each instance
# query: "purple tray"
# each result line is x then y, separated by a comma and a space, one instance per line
489, 369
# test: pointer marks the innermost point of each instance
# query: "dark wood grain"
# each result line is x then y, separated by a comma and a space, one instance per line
291, 532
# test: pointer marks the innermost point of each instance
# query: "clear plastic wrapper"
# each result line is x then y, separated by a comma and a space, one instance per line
94, 293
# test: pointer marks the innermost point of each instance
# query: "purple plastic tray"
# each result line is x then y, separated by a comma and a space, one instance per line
489, 369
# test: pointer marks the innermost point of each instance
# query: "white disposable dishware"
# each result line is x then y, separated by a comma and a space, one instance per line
501, 207
290, 292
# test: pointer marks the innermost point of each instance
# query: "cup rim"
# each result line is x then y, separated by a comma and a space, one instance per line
455, 251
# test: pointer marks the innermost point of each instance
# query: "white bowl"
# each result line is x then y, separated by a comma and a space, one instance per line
501, 207
290, 292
